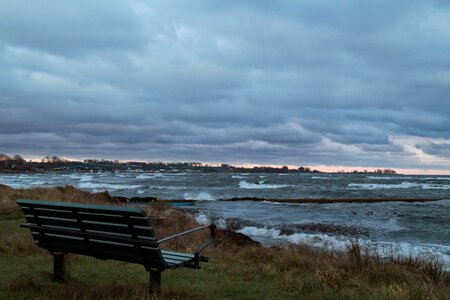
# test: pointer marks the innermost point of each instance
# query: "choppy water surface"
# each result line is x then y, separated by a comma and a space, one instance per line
392, 228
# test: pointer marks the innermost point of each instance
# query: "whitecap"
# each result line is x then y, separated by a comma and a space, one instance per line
221, 224
261, 185
403, 185
238, 177
38, 183
387, 177
107, 186
203, 219
86, 178
149, 175
199, 196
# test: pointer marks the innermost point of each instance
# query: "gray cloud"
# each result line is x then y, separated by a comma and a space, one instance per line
359, 84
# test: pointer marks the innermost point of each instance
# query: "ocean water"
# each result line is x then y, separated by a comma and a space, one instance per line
387, 228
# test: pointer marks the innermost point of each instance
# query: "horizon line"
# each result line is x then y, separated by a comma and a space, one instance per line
324, 168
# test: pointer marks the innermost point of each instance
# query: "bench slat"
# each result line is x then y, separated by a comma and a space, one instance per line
68, 214
103, 227
177, 263
186, 255
131, 211
90, 235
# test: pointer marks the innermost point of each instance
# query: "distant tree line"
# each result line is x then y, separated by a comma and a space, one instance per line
15, 162
55, 163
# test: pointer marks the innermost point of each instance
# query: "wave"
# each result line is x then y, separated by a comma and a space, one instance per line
38, 182
107, 186
150, 176
203, 219
403, 185
199, 196
394, 177
436, 178
388, 177
80, 177
261, 185
340, 244
320, 177
167, 187
238, 177
121, 175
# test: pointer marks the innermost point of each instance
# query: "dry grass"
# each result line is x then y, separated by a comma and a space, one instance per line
8, 196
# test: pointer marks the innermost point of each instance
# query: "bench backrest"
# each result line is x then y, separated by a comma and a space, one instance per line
101, 231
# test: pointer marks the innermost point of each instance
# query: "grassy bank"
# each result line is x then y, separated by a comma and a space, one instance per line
238, 267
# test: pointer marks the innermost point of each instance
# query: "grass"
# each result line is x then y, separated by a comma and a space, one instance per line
238, 267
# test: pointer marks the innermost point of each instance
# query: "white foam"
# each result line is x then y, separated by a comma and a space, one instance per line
149, 175
394, 177
162, 187
82, 177
199, 196
203, 219
435, 178
261, 231
403, 185
107, 186
384, 177
140, 192
221, 224
260, 185
320, 177
39, 182
341, 243
86, 178
121, 175
238, 177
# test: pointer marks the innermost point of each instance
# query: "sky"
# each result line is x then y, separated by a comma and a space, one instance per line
348, 84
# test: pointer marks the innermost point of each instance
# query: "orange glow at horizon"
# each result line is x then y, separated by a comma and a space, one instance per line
336, 168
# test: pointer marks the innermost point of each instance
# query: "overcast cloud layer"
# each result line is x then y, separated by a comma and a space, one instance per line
356, 83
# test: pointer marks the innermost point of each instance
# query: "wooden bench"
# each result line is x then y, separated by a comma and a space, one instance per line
105, 232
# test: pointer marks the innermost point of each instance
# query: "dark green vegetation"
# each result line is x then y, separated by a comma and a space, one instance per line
238, 268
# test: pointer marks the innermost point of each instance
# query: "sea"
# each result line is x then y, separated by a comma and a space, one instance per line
391, 229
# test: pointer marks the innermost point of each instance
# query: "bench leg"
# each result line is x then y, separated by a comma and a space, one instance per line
155, 281
58, 267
